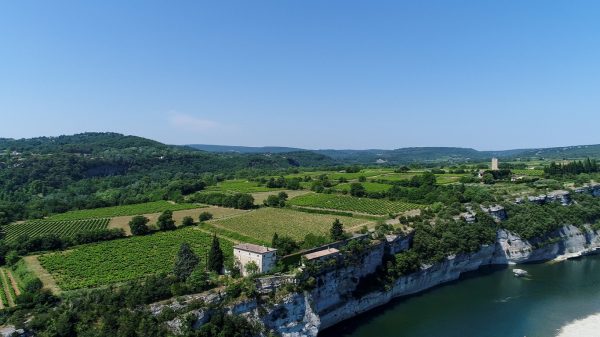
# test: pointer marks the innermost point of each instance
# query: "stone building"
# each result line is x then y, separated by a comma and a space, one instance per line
264, 257
495, 166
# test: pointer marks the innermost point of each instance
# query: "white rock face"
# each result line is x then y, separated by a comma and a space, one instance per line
334, 303
333, 300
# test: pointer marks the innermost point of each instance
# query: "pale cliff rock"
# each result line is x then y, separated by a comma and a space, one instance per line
333, 300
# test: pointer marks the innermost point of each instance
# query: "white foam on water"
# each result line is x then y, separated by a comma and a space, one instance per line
585, 327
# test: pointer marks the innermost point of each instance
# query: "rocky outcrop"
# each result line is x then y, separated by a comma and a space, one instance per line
337, 296
333, 301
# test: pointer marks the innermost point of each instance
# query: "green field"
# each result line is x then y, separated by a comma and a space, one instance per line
369, 187
239, 186
347, 203
534, 173
62, 228
110, 212
333, 175
396, 176
127, 259
262, 223
443, 179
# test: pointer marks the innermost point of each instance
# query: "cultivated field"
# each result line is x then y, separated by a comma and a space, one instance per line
127, 259
217, 212
347, 203
110, 212
259, 197
10, 288
62, 228
238, 186
369, 187
262, 223
534, 173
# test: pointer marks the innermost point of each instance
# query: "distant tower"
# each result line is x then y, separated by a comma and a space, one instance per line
494, 164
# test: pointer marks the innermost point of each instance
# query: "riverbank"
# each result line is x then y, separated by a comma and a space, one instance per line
586, 327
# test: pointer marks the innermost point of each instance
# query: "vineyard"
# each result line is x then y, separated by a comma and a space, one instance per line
110, 212
121, 260
262, 223
347, 203
10, 289
369, 187
534, 173
238, 186
62, 228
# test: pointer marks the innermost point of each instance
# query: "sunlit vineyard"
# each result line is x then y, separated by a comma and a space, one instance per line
347, 203
262, 223
135, 209
127, 259
62, 228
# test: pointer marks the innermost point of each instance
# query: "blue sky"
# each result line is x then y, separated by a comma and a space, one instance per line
312, 74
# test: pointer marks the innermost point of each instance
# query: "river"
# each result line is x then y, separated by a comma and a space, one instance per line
491, 302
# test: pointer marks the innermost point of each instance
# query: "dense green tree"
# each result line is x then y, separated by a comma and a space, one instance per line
215, 256
284, 244
205, 216
187, 221
138, 225
165, 221
337, 231
185, 262
357, 190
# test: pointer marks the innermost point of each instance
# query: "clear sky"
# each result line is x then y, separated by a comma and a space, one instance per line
312, 74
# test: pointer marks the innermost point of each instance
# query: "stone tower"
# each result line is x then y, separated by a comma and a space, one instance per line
494, 164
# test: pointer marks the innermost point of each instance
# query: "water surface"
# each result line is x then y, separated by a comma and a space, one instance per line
490, 303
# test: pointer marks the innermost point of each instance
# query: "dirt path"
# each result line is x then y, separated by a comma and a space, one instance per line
10, 299
218, 235
13, 282
355, 228
382, 216
47, 280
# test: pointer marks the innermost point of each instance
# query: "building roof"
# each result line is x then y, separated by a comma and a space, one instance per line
254, 248
321, 253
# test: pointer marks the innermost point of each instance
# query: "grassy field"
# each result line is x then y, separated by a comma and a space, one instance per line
262, 223
396, 176
259, 197
239, 186
62, 228
333, 175
121, 260
369, 187
110, 212
443, 179
533, 173
217, 212
347, 203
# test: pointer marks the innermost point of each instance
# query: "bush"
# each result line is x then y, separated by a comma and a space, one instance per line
187, 221
138, 225
205, 216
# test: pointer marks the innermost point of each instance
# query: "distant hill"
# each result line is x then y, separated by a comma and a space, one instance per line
46, 175
422, 154
244, 149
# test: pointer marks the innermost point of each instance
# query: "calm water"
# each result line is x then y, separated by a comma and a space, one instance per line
489, 303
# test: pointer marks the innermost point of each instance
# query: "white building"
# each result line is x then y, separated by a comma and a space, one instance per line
264, 257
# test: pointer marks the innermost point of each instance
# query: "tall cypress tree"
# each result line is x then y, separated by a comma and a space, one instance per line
337, 231
215, 256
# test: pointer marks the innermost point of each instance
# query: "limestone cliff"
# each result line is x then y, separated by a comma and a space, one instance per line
334, 298
331, 302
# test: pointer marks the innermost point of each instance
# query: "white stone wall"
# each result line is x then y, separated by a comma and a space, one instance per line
265, 262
